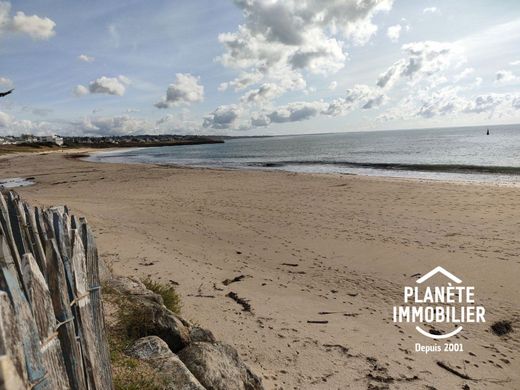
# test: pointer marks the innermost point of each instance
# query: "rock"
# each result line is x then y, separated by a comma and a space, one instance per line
155, 351
132, 287
151, 317
200, 334
217, 366
157, 320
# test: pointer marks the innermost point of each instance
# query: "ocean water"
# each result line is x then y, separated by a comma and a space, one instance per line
461, 154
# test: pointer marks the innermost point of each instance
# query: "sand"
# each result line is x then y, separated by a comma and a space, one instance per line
306, 244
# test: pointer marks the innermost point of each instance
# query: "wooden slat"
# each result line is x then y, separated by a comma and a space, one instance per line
83, 304
11, 350
38, 252
94, 283
52, 330
41, 303
16, 225
36, 372
13, 258
67, 331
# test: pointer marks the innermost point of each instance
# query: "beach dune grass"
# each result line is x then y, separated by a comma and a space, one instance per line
171, 299
130, 373
125, 324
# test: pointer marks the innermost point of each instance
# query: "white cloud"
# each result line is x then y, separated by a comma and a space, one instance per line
38, 28
264, 93
333, 85
514, 63
86, 58
359, 96
224, 117
117, 125
394, 32
104, 85
241, 82
423, 60
4, 81
464, 74
80, 90
431, 10
280, 41
5, 119
296, 112
185, 90
506, 77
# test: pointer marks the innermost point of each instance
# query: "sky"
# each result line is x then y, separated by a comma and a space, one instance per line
250, 67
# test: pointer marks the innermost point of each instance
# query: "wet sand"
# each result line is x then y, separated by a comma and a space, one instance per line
311, 248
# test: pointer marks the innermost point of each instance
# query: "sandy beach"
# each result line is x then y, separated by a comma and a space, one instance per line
334, 248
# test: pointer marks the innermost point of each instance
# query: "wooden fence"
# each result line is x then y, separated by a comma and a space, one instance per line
52, 332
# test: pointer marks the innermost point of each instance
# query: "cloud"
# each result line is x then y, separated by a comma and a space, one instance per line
506, 77
104, 85
464, 74
296, 112
431, 10
117, 125
280, 41
5, 119
359, 96
514, 63
5, 82
241, 82
86, 58
394, 32
36, 27
333, 85
80, 90
185, 90
423, 59
264, 93
224, 117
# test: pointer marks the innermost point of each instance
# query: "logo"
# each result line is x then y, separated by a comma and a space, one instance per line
450, 304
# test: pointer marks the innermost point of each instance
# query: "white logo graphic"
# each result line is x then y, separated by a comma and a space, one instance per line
450, 304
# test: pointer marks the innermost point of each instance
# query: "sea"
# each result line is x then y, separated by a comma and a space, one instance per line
448, 154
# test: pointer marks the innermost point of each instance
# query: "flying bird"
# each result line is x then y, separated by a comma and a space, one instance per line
2, 94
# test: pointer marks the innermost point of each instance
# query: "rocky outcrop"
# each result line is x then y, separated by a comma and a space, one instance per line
200, 334
201, 362
155, 351
217, 366
156, 319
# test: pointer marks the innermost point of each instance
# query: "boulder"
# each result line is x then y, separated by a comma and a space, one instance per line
155, 351
150, 316
200, 334
133, 288
217, 366
157, 320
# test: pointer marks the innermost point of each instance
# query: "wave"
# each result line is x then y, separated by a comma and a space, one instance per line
448, 168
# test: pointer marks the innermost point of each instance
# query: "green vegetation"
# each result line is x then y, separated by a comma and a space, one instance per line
126, 322
124, 325
170, 297
26, 148
130, 373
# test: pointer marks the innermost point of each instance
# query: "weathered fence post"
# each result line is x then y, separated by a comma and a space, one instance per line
52, 331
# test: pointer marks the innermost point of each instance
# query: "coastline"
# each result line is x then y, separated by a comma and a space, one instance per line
355, 241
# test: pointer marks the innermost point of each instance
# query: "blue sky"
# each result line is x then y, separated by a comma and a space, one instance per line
256, 66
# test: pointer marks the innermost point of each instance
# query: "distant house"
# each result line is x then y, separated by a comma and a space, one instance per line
52, 139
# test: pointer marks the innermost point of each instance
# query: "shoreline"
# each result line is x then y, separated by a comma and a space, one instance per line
306, 244
473, 180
